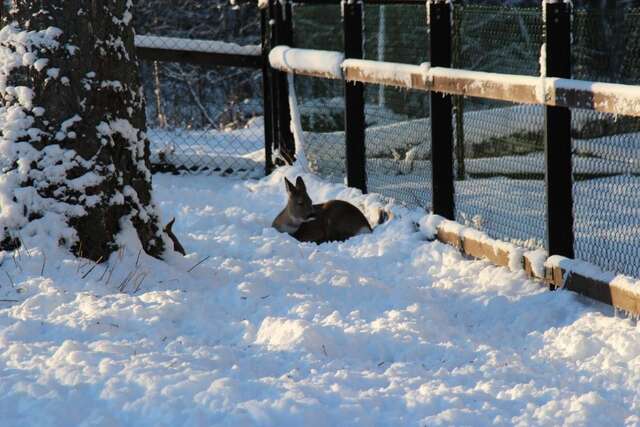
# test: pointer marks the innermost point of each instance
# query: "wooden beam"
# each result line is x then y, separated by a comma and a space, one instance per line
608, 292
483, 250
204, 59
502, 87
386, 73
604, 97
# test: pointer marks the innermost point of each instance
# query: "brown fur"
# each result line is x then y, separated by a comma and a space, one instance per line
335, 220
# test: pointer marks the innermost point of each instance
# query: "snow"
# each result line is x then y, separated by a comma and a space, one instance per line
537, 259
387, 328
195, 45
610, 97
606, 97
388, 72
215, 149
21, 48
514, 253
323, 63
630, 284
296, 126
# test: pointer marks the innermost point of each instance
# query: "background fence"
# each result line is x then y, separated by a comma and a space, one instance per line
498, 147
201, 73
214, 104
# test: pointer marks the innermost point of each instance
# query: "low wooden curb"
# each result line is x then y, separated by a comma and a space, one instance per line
558, 277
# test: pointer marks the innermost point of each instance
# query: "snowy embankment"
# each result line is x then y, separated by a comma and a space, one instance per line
384, 329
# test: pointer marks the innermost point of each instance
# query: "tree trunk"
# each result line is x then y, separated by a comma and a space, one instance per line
73, 143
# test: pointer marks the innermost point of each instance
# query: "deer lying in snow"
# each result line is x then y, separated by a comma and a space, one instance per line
334, 220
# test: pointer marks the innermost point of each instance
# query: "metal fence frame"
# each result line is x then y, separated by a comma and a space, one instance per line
560, 98
558, 172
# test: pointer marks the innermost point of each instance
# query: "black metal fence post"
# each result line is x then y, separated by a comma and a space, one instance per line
354, 119
439, 21
558, 170
458, 100
266, 90
284, 36
273, 81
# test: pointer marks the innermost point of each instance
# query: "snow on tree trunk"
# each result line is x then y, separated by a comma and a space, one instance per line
73, 148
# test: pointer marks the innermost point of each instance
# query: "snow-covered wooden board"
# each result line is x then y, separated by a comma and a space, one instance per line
195, 45
205, 53
308, 62
603, 97
385, 73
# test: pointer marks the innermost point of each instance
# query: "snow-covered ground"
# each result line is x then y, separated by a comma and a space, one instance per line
384, 329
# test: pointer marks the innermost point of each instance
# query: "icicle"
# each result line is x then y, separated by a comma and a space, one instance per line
296, 127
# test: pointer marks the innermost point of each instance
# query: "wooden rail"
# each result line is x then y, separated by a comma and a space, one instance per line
604, 97
198, 52
605, 287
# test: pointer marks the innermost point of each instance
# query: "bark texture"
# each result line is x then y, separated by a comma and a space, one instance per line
86, 117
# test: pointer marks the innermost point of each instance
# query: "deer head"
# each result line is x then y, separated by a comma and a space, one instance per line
299, 206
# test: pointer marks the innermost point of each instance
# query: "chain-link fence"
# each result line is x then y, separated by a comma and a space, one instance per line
499, 168
204, 107
320, 101
207, 117
606, 159
499, 146
398, 133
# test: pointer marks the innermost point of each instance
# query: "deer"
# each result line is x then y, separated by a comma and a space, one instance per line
335, 220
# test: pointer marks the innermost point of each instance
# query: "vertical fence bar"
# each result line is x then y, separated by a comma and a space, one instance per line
439, 21
354, 119
558, 170
458, 100
284, 36
273, 83
266, 90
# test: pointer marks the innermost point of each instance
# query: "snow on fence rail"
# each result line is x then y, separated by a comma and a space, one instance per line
195, 45
195, 51
603, 97
316, 63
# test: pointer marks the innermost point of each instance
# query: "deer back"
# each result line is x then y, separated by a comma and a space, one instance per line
335, 220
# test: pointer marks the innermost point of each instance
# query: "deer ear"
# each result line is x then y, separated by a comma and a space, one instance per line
289, 186
300, 184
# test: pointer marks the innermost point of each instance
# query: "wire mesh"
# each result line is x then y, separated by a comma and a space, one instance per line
321, 101
398, 133
606, 161
499, 146
499, 151
202, 117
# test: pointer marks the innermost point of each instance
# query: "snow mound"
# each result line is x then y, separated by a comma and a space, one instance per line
255, 328
286, 334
